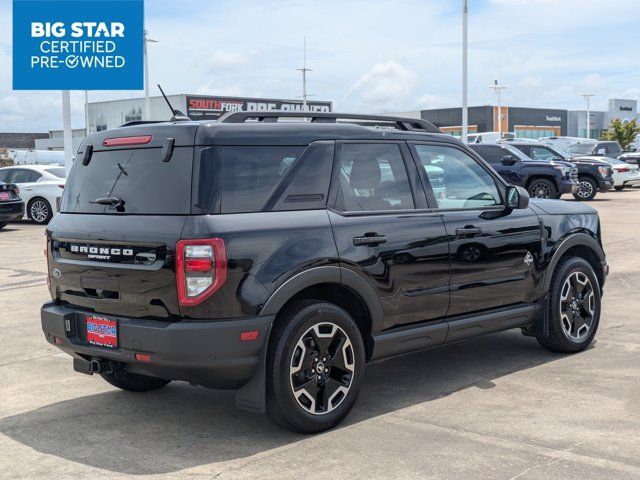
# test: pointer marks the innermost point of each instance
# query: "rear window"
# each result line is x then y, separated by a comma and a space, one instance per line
138, 176
58, 172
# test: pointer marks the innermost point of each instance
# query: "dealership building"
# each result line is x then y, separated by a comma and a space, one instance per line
529, 122
110, 114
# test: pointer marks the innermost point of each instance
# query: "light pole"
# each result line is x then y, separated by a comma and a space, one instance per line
587, 97
465, 108
86, 113
147, 104
498, 89
304, 71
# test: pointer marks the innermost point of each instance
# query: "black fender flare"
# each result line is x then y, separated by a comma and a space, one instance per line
327, 274
251, 396
573, 240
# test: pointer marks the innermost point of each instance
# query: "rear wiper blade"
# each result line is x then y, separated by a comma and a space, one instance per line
109, 201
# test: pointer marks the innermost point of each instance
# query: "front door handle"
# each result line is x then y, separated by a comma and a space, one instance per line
468, 231
369, 240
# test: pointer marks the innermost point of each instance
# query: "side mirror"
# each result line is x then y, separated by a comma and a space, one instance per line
508, 160
517, 198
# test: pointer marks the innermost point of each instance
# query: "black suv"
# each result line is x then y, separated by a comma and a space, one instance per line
541, 178
278, 257
593, 175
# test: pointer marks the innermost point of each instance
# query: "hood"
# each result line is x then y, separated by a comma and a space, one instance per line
590, 160
560, 207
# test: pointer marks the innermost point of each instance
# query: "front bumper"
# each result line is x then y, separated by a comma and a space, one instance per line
208, 353
605, 184
567, 187
11, 211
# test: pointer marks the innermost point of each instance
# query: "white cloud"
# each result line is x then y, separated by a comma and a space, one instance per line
387, 83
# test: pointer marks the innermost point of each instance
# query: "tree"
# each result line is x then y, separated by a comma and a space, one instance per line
624, 133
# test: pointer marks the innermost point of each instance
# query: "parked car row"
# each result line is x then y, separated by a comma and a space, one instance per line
541, 166
41, 188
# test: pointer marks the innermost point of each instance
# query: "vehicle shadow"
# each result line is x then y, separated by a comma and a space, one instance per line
181, 426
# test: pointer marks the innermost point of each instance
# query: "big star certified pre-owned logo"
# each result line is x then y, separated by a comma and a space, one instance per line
77, 44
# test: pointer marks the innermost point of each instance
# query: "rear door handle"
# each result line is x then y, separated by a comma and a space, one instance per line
369, 240
468, 231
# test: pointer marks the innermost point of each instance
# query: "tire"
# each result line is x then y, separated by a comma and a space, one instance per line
315, 347
542, 188
39, 211
619, 187
587, 189
2, 225
132, 382
570, 332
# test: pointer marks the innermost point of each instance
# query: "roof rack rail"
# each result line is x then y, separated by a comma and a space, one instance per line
140, 122
401, 123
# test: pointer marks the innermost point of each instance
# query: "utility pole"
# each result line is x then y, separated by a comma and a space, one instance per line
498, 89
304, 71
147, 103
465, 107
587, 97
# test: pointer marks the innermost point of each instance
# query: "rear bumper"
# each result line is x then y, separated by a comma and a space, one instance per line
11, 211
208, 353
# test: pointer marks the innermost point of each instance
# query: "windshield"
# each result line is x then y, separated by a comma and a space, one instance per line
144, 183
58, 172
581, 148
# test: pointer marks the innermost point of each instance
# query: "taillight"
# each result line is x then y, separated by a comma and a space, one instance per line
61, 186
46, 255
624, 170
16, 190
201, 269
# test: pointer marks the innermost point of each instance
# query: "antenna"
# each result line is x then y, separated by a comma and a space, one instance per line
177, 114
304, 71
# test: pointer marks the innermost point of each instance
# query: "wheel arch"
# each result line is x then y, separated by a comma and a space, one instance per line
580, 245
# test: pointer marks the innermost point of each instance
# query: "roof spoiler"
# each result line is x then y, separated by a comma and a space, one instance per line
400, 123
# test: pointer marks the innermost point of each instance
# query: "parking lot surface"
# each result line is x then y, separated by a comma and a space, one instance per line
495, 407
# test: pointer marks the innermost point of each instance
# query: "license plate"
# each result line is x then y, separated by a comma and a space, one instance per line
4, 195
102, 332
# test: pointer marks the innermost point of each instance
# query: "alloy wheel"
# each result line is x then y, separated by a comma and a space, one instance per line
577, 305
585, 189
322, 368
540, 190
39, 211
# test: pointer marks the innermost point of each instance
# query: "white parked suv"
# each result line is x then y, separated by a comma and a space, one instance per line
40, 187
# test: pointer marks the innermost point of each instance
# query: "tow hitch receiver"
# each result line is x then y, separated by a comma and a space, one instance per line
95, 365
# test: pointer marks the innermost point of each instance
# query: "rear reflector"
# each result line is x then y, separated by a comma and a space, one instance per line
142, 357
58, 340
249, 336
121, 141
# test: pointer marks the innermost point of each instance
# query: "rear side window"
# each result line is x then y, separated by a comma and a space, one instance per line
138, 176
242, 179
58, 172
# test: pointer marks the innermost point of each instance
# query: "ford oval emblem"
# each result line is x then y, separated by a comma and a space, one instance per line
56, 273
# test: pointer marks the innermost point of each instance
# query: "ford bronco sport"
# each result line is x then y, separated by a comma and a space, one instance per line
277, 253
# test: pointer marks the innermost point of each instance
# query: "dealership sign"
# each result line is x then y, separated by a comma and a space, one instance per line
201, 107
78, 44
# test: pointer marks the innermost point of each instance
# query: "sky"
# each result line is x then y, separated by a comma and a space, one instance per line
369, 56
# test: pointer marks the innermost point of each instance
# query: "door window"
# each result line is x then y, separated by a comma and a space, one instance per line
22, 175
373, 178
540, 153
4, 175
457, 180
